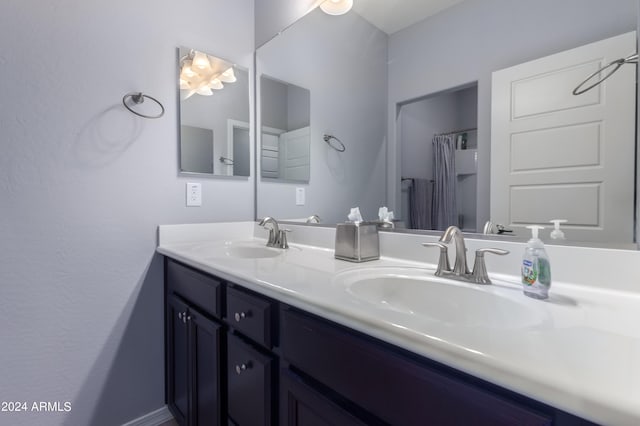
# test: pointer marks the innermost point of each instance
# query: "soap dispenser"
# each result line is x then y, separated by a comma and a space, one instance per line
557, 234
536, 270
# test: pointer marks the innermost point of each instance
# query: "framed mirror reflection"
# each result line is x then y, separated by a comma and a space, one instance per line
214, 114
284, 130
527, 154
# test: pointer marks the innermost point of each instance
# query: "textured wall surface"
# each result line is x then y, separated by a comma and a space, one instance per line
83, 186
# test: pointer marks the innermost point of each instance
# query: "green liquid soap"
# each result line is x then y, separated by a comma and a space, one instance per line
536, 270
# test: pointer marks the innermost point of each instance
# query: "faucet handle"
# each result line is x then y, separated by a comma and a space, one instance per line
282, 238
479, 274
443, 260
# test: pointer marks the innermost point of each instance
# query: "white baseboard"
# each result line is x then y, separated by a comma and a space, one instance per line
153, 418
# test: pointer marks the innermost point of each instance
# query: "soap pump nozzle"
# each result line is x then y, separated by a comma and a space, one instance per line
534, 231
557, 234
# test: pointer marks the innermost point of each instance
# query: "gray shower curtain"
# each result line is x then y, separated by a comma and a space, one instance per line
444, 210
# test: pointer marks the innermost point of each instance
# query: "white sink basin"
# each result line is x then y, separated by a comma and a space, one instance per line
235, 249
251, 252
418, 292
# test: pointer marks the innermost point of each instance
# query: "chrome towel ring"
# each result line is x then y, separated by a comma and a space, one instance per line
338, 146
614, 65
137, 98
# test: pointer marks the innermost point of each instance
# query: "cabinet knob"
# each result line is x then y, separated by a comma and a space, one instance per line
184, 317
239, 316
179, 315
242, 367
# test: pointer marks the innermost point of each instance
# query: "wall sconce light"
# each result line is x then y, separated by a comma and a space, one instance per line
336, 7
201, 73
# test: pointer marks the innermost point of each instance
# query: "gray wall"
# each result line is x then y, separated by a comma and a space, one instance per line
298, 107
272, 16
83, 186
342, 61
273, 103
471, 40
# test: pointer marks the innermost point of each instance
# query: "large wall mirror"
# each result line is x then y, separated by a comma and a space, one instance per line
214, 115
284, 132
389, 92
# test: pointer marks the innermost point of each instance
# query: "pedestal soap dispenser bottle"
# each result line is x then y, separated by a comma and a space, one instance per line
536, 271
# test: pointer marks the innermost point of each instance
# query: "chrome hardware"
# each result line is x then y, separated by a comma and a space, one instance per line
460, 266
491, 228
242, 367
239, 316
180, 315
274, 232
313, 219
479, 274
184, 317
282, 239
277, 236
443, 260
460, 269
614, 65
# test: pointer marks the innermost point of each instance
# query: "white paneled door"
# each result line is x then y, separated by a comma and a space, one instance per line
555, 155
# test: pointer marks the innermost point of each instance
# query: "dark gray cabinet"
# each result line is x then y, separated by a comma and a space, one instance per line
249, 383
239, 358
394, 388
194, 343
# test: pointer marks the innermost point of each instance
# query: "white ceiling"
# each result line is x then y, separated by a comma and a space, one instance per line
394, 15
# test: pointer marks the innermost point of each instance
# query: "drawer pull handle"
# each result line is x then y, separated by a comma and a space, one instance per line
239, 316
183, 316
242, 367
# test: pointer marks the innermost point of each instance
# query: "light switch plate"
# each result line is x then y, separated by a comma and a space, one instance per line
300, 196
194, 194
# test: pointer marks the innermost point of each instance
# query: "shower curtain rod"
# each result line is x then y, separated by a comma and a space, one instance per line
457, 131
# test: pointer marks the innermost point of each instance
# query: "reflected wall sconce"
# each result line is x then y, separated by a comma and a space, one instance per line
202, 74
336, 7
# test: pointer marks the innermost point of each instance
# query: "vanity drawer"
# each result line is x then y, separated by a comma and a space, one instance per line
249, 384
251, 315
199, 289
396, 388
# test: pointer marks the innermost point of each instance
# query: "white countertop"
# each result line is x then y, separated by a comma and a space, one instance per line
581, 352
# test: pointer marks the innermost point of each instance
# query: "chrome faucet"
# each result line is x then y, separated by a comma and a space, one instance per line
277, 236
460, 269
273, 232
313, 219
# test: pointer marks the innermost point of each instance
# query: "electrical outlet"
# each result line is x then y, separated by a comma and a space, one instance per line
300, 196
194, 194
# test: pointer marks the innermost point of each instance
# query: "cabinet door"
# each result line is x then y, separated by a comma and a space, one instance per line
177, 373
249, 384
205, 345
301, 405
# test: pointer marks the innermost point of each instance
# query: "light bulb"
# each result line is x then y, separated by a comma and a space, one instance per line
215, 84
186, 69
200, 61
336, 7
228, 76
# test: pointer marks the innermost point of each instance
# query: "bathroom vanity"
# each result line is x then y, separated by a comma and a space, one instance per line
257, 335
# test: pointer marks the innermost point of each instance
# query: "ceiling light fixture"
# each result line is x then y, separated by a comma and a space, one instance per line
200, 73
336, 7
